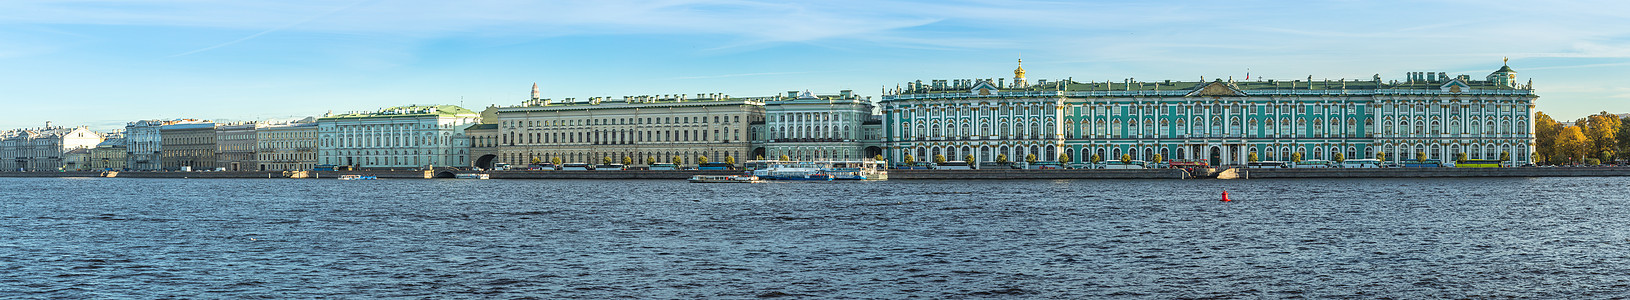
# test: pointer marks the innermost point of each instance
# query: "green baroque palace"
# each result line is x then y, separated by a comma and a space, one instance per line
1425, 116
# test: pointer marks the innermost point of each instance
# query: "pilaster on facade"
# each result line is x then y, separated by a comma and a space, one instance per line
1224, 122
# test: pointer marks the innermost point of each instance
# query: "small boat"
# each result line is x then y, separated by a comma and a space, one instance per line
357, 177
725, 179
471, 176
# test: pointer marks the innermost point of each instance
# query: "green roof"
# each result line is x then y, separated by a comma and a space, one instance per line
410, 111
1335, 84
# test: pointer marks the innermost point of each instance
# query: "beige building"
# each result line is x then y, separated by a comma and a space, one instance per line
403, 137
287, 147
76, 160
235, 146
188, 146
45, 148
108, 155
484, 140
633, 129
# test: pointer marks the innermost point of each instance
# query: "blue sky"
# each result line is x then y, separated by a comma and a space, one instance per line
105, 63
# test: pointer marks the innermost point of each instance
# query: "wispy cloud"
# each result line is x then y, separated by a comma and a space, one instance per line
258, 34
737, 75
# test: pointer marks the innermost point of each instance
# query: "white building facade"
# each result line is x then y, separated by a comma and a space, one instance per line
804, 126
404, 137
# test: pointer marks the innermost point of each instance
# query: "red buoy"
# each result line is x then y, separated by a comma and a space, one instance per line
1225, 197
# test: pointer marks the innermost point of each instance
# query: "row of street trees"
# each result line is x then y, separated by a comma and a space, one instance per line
1591, 140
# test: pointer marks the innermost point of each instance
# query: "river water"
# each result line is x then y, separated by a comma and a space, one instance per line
305, 238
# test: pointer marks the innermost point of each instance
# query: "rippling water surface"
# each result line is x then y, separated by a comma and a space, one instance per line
275, 238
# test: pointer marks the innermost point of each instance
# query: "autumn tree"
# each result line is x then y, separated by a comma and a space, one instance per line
1063, 157
1545, 134
1623, 140
1571, 145
939, 158
1126, 158
1030, 158
1602, 131
968, 158
1339, 157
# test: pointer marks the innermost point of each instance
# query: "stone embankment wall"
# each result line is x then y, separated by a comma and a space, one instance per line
1433, 172
1037, 174
625, 174
908, 174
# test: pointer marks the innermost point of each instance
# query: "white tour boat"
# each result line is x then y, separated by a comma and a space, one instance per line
725, 179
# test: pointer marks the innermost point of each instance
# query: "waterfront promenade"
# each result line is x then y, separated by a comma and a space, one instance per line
907, 174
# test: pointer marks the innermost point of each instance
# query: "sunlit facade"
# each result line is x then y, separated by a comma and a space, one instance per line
1222, 121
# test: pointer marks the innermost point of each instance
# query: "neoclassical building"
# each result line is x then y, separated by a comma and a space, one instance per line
143, 146
45, 148
1221, 121
187, 146
108, 155
287, 146
235, 146
804, 126
638, 128
403, 137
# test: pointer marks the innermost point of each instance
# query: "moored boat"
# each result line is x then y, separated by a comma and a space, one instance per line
854, 169
793, 171
725, 179
357, 177
471, 176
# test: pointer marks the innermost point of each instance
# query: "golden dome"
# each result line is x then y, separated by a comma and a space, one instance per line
1019, 73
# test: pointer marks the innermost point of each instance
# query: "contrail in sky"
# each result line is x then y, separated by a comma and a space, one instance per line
252, 36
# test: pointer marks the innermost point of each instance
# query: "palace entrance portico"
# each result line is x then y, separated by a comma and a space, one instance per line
1216, 153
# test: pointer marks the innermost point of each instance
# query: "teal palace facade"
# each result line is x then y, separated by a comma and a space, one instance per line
1426, 115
